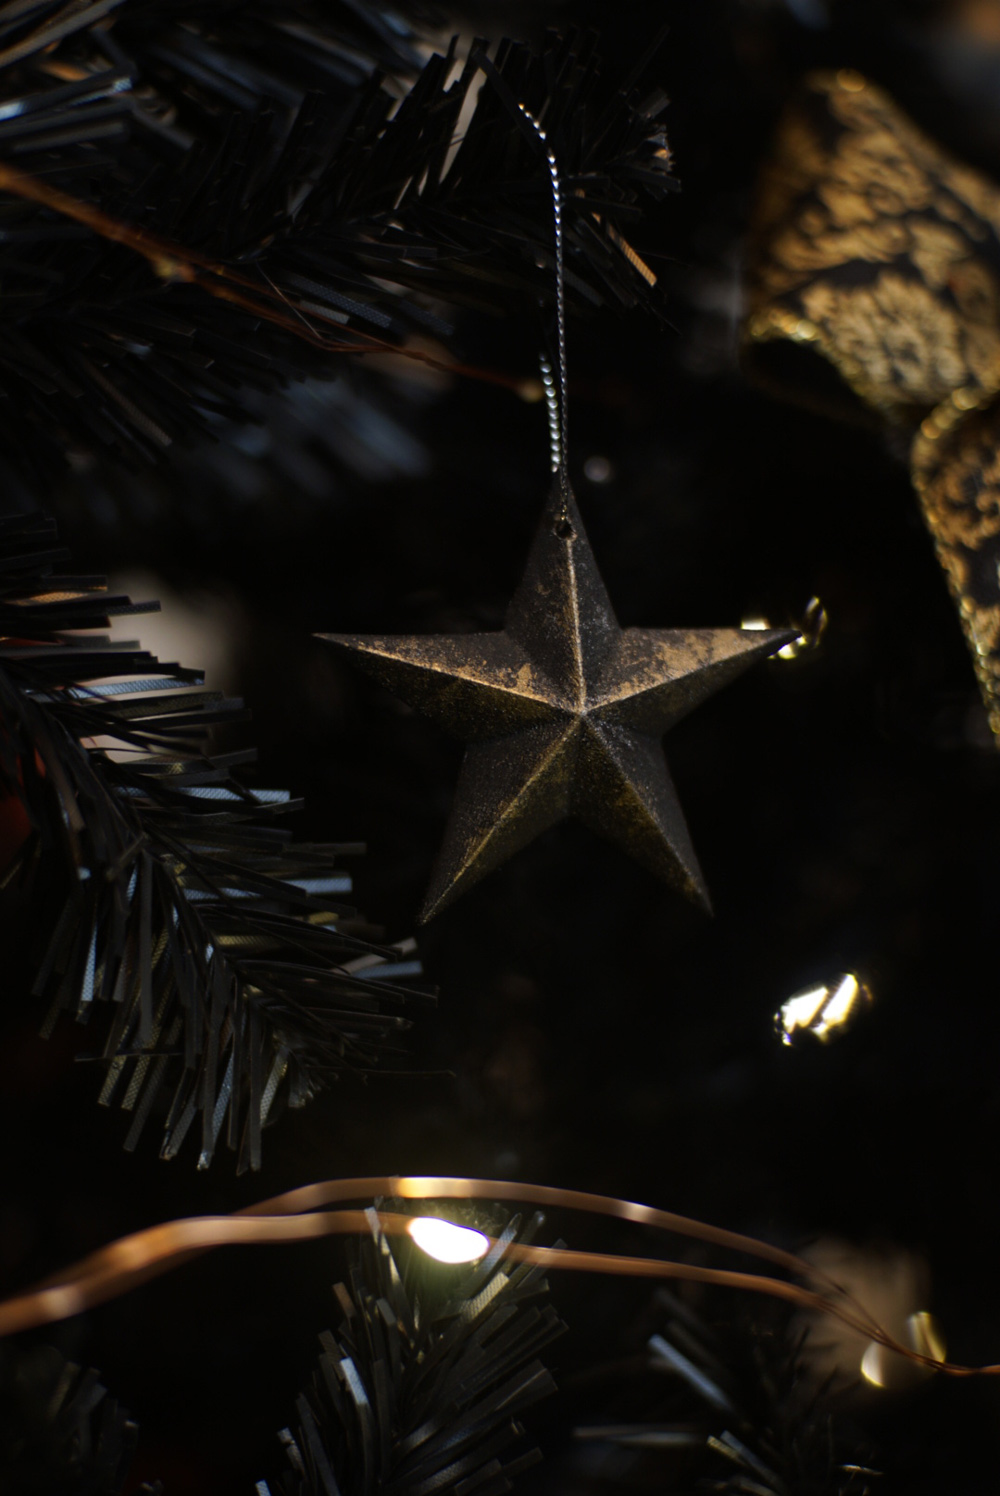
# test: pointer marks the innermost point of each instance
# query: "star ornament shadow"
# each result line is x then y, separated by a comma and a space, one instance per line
563, 712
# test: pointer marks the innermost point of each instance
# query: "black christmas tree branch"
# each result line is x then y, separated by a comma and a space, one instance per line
736, 1410
218, 960
61, 1431
423, 1387
208, 199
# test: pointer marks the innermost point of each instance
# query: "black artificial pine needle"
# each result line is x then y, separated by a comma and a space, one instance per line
734, 1410
423, 1387
301, 163
219, 970
61, 1431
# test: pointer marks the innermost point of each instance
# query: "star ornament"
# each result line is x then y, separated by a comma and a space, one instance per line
563, 712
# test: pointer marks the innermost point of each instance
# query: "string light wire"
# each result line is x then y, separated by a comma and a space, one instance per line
299, 1215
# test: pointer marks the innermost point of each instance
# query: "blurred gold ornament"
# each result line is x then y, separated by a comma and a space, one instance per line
823, 1011
874, 286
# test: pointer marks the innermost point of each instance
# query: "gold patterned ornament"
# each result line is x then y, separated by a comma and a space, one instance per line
874, 286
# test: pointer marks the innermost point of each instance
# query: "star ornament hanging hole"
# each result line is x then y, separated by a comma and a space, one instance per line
563, 713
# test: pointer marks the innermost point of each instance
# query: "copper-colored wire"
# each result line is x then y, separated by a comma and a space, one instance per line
295, 1216
327, 1192
178, 262
125, 1263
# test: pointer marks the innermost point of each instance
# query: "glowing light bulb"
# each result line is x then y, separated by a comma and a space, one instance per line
824, 1011
446, 1242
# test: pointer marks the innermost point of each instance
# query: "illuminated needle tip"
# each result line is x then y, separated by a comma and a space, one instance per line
446, 1242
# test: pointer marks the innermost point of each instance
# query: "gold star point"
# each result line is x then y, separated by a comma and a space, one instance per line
563, 712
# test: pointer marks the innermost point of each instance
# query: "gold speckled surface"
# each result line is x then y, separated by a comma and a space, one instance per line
563, 712
877, 249
956, 469
875, 253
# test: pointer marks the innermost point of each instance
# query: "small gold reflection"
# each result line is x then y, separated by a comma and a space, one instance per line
887, 1369
822, 1011
812, 627
871, 1364
889, 1283
926, 1335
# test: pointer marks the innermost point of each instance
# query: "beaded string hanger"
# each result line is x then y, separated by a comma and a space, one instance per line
555, 394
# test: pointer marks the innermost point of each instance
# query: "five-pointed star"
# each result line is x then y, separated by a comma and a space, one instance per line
563, 712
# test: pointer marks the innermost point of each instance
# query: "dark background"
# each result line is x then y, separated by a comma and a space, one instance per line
601, 1033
